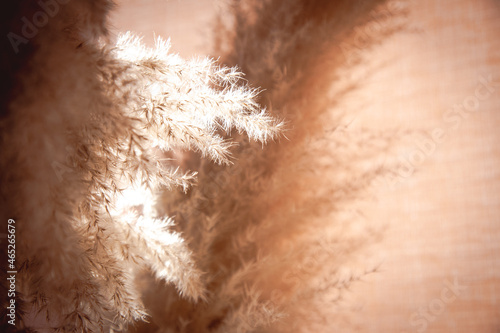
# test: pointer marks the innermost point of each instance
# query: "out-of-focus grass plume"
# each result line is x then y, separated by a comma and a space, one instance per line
233, 236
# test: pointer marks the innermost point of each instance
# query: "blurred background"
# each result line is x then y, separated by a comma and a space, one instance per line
440, 79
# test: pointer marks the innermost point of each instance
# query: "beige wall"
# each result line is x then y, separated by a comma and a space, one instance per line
186, 22
443, 218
